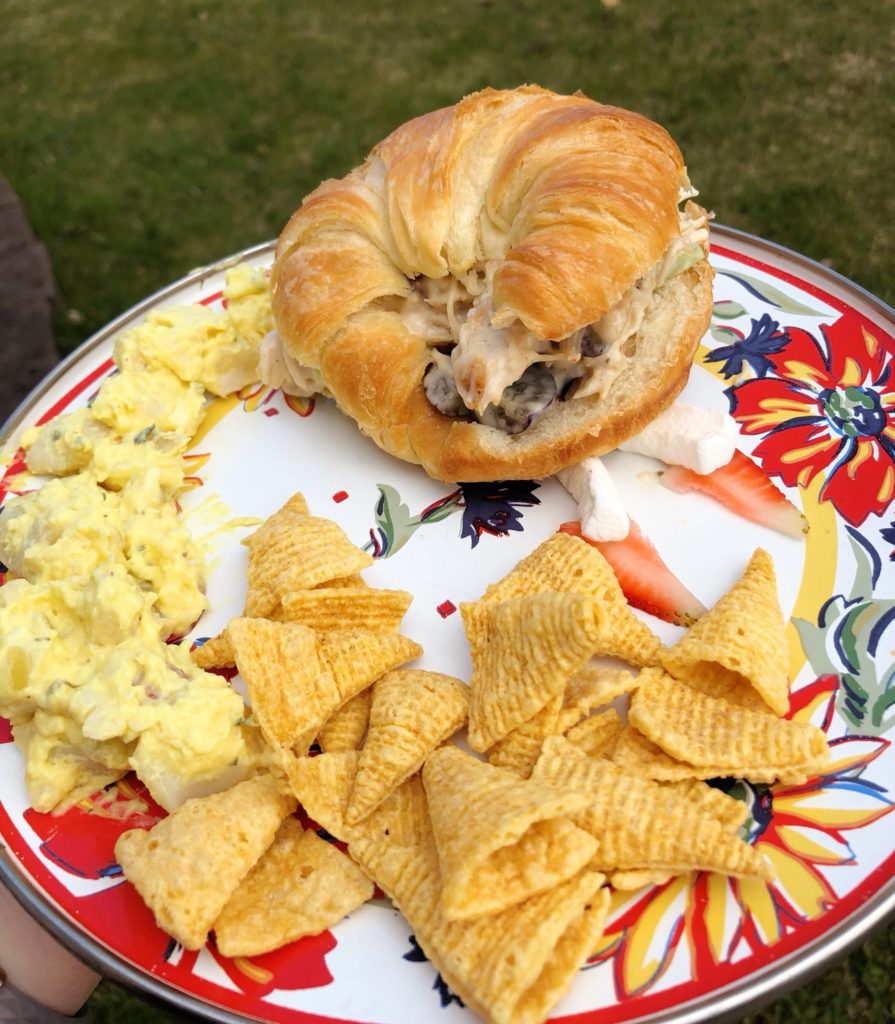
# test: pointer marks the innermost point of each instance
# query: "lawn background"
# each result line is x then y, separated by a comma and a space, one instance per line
147, 138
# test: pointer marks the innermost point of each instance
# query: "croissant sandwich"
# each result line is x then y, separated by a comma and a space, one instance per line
501, 289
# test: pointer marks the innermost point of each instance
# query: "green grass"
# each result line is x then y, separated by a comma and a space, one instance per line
148, 138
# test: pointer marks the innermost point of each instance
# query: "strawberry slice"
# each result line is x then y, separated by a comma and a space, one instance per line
743, 488
646, 581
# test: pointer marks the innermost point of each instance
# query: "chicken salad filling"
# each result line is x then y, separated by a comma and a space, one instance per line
501, 374
506, 377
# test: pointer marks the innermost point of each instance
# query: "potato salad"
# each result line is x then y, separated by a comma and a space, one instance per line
103, 572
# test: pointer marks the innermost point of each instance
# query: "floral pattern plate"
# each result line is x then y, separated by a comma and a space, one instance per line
804, 361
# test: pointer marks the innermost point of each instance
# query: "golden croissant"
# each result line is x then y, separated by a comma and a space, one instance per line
502, 288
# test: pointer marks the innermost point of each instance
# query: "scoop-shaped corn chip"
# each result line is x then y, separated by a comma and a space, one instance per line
357, 658
294, 551
259, 755
346, 728
216, 652
516, 841
519, 749
329, 608
568, 565
259, 602
740, 644
597, 736
323, 785
297, 505
287, 687
411, 714
630, 881
297, 678
301, 886
560, 564
355, 580
738, 692
511, 967
642, 824
189, 864
523, 651
702, 730
731, 813
632, 750
592, 687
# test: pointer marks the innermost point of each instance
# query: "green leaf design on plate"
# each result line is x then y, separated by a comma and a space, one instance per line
724, 335
394, 523
727, 309
441, 510
840, 644
771, 295
393, 519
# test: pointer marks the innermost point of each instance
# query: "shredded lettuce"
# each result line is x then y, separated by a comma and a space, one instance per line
684, 260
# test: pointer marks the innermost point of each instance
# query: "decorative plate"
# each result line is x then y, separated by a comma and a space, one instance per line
804, 360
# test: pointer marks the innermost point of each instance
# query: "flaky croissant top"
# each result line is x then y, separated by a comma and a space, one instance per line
502, 288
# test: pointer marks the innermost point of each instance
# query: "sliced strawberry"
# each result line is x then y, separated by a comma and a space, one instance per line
742, 487
646, 581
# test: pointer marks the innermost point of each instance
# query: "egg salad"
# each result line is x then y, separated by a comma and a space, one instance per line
103, 571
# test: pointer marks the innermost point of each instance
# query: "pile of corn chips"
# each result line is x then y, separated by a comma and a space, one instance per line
502, 863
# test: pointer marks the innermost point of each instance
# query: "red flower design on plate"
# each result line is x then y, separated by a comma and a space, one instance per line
829, 408
298, 965
119, 911
82, 840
